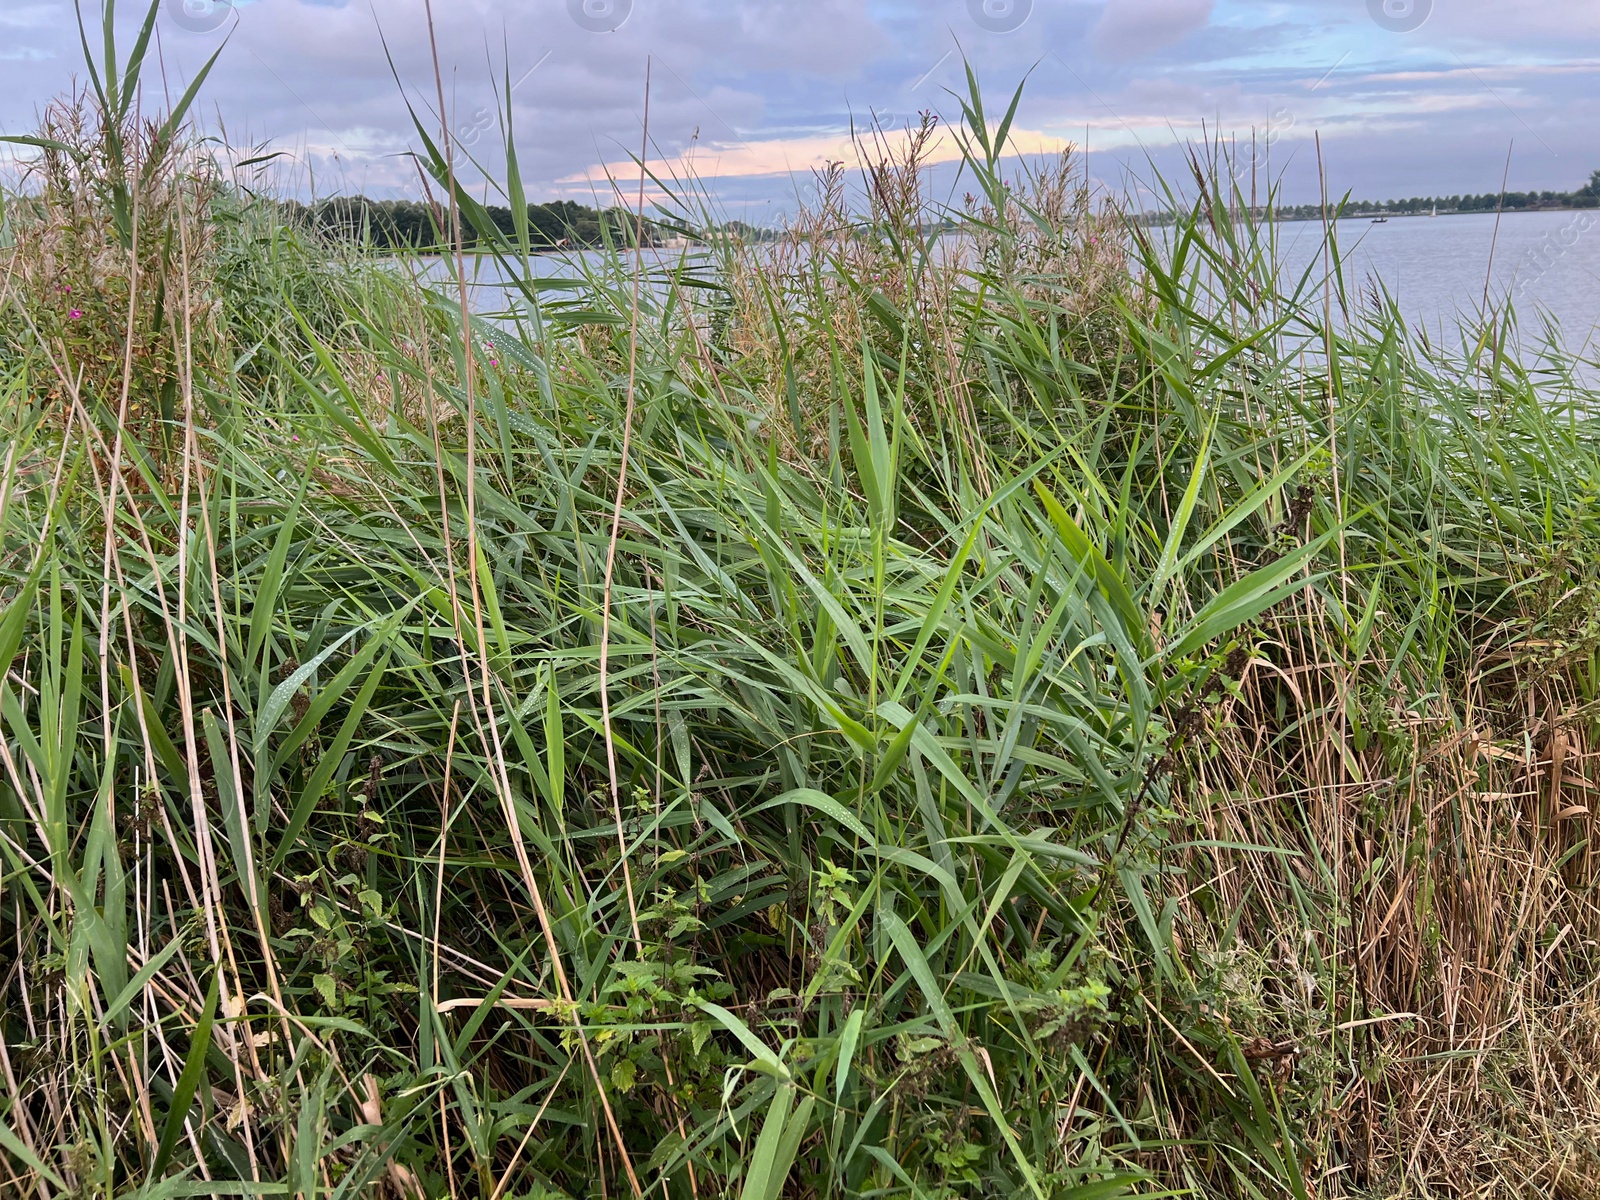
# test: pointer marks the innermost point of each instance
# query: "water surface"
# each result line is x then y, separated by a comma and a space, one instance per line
1437, 267
1545, 263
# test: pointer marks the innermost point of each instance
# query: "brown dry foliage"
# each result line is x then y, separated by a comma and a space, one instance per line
1445, 896
832, 265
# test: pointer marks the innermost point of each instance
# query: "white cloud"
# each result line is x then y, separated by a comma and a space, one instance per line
1132, 28
35, 16
761, 79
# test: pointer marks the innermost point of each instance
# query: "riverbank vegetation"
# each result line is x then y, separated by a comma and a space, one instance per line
425, 226
561, 225
1085, 716
1585, 197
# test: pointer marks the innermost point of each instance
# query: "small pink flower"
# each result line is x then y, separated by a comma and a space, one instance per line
76, 314
494, 362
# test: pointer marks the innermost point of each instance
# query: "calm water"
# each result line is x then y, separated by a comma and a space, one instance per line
1434, 266
490, 293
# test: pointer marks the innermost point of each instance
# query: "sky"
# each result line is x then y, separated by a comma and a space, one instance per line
1408, 97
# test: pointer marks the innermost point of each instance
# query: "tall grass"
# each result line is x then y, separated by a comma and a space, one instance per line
1080, 716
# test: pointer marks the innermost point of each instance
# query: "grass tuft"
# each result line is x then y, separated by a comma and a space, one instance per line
1088, 716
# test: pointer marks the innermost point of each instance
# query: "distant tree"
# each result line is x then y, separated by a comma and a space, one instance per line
396, 224
1592, 188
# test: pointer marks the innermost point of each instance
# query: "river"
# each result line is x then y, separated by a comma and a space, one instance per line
1436, 267
1546, 264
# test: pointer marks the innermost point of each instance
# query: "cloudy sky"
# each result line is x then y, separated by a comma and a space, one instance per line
1409, 96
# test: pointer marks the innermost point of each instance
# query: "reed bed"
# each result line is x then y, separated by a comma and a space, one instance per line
1075, 714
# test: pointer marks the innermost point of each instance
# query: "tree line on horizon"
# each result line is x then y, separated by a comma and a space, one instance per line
414, 225
566, 224
1587, 196
556, 225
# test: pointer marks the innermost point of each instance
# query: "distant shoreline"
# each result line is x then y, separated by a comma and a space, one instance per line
1585, 198
1377, 214
1298, 216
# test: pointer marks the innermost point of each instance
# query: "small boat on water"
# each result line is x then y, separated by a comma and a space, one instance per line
1380, 220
